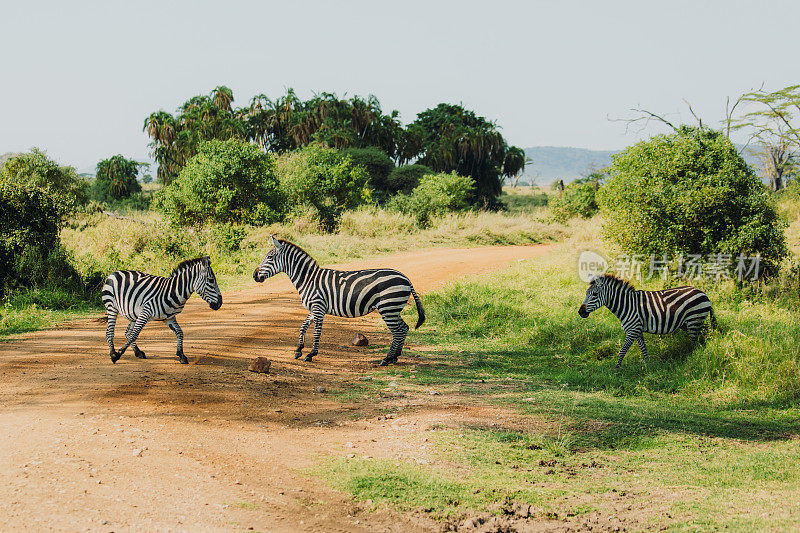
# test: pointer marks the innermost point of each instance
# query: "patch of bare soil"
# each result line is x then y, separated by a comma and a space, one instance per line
155, 445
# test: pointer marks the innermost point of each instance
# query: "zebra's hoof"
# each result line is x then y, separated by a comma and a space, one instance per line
140, 354
115, 357
183, 359
308, 358
298, 354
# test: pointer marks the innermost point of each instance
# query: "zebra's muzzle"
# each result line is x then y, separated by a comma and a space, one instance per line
217, 304
257, 278
583, 312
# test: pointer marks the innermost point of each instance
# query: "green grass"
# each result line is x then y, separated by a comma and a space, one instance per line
101, 243
35, 309
143, 241
700, 438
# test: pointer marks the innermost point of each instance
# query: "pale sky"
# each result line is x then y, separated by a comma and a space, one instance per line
78, 78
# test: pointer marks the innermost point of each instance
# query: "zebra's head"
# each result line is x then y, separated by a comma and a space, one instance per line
273, 263
595, 296
206, 285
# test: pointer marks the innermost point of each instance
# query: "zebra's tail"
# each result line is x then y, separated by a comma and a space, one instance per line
420, 310
712, 318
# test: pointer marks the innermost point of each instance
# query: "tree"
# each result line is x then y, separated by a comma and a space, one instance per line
378, 166
405, 178
226, 181
772, 122
116, 179
578, 199
690, 193
175, 139
451, 138
436, 195
324, 180
36, 197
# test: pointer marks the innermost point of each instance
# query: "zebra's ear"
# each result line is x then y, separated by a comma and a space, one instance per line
206, 260
275, 242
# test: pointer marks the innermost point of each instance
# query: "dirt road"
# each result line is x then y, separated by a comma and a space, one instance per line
155, 445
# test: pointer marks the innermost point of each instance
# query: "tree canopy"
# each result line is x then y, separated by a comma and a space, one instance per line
690, 193
116, 179
446, 138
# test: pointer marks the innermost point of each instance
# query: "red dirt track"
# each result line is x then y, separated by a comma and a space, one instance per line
155, 445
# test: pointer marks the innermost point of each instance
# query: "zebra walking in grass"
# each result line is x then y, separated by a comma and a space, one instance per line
658, 312
342, 293
143, 297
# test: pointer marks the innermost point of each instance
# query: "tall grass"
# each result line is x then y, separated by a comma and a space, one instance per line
146, 242
523, 322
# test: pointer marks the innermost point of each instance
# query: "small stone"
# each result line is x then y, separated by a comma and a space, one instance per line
349, 445
321, 389
351, 455
360, 340
137, 452
260, 365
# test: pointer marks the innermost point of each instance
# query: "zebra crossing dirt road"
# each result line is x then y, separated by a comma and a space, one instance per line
155, 445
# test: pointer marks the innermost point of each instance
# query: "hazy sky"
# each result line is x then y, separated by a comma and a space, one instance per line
78, 78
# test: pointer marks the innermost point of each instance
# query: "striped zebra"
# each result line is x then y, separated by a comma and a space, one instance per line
658, 312
341, 293
143, 297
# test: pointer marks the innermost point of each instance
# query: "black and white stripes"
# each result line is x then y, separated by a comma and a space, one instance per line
658, 312
141, 297
342, 293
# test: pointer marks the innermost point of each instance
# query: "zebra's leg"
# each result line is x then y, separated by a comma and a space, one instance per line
695, 330
399, 329
136, 351
173, 325
131, 334
318, 314
111, 315
643, 347
302, 342
629, 340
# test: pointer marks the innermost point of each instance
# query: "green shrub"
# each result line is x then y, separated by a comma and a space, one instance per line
690, 193
324, 180
406, 178
36, 196
577, 200
115, 180
226, 181
378, 166
436, 195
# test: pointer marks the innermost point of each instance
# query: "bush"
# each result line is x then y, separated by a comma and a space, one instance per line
577, 200
406, 178
115, 180
36, 196
690, 193
377, 164
226, 181
324, 180
436, 195
36, 169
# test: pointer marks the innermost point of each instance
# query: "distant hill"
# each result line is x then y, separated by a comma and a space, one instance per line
551, 163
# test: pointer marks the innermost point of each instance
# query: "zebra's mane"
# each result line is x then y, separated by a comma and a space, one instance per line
293, 245
186, 264
613, 278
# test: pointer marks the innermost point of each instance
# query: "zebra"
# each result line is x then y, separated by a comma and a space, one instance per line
341, 293
658, 312
143, 297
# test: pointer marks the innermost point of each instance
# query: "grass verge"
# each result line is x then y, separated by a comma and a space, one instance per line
700, 438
